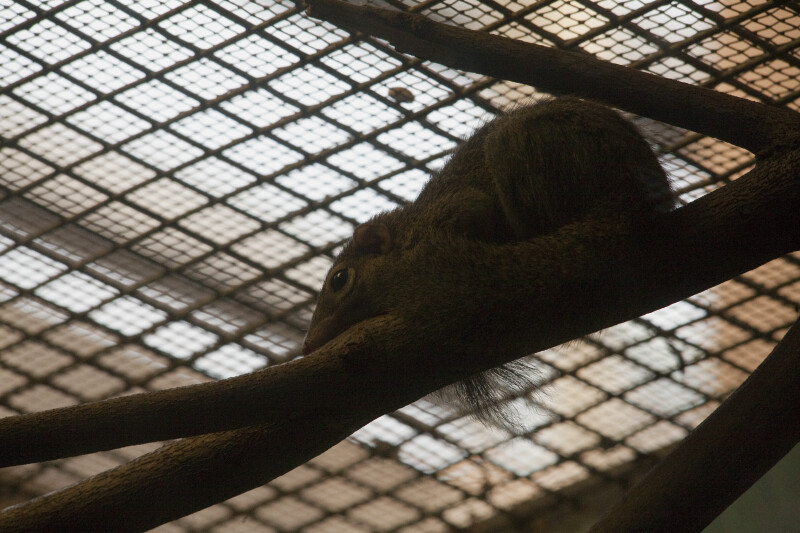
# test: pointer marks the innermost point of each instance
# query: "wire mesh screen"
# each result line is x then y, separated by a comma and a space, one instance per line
176, 177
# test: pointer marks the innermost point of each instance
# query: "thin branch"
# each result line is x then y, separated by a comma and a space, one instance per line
176, 480
221, 405
754, 126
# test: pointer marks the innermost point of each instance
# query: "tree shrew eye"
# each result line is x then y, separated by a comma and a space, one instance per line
339, 279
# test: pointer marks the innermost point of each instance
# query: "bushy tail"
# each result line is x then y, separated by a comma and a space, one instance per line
487, 395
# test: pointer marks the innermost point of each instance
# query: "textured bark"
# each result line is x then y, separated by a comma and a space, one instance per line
175, 481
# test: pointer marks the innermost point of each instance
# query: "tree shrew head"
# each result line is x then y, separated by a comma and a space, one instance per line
348, 295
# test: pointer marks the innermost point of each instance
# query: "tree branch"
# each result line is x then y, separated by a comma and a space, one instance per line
753, 126
176, 480
228, 404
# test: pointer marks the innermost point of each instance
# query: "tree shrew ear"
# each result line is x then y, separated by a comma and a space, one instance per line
372, 237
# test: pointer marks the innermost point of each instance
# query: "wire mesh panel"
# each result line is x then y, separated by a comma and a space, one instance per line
176, 177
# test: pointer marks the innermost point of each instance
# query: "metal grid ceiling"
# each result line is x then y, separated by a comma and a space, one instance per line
176, 176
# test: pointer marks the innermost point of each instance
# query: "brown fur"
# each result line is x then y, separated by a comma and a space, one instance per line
522, 175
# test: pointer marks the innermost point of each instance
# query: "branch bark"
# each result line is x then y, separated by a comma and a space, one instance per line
176, 480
